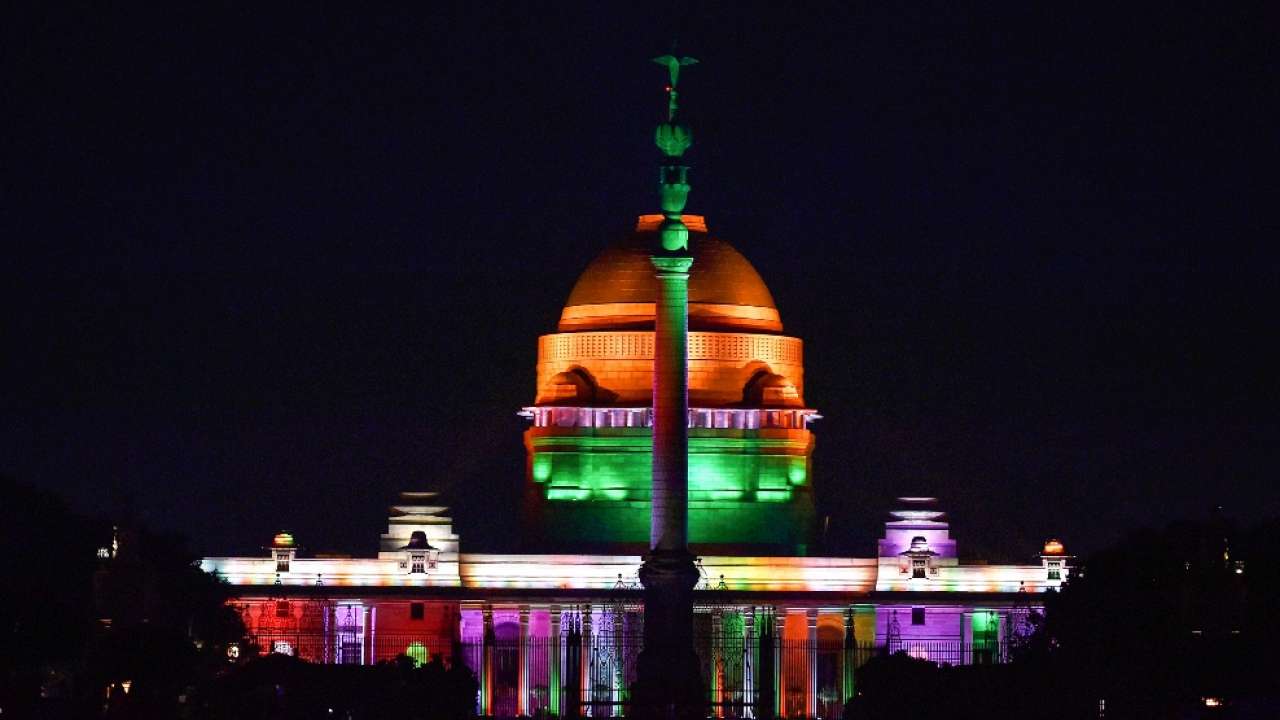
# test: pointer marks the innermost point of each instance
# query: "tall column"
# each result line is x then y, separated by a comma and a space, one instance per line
366, 636
812, 684
522, 658
966, 637
779, 655
553, 664
848, 656
748, 663
670, 679
588, 648
619, 681
486, 663
670, 683
716, 648
669, 521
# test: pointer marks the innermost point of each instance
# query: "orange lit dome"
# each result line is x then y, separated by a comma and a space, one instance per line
617, 290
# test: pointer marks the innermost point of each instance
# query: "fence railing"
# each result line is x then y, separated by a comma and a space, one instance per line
951, 652
576, 675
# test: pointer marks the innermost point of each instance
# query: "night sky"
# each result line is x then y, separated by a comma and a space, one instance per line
264, 269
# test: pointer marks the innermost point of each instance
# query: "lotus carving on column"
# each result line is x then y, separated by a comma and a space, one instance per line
672, 139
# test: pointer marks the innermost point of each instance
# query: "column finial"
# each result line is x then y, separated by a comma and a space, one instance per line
673, 138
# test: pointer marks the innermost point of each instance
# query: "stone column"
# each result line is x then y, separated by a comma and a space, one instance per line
779, 655
748, 663
812, 704
670, 682
966, 637
717, 650
366, 626
522, 658
553, 663
585, 657
486, 663
848, 656
669, 520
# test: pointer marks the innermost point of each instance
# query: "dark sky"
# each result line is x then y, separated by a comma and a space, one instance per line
266, 268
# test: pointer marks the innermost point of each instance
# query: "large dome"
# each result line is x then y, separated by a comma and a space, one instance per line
618, 288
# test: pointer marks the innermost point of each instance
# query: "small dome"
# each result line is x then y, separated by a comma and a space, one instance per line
1053, 546
918, 509
618, 289
282, 540
418, 541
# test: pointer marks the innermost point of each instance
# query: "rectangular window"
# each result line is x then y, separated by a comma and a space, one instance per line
1055, 570
917, 616
917, 567
416, 611
282, 562
419, 563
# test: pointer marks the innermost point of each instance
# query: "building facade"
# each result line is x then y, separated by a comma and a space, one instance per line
779, 631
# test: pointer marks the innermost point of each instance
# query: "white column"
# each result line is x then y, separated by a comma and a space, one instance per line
366, 627
486, 663
588, 642
779, 676
522, 698
812, 704
748, 661
553, 663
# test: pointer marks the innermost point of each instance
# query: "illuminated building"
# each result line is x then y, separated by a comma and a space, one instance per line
781, 631
778, 631
750, 446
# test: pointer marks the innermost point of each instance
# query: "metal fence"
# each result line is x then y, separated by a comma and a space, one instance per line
580, 674
951, 652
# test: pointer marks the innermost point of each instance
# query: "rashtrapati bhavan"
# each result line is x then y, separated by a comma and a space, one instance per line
777, 631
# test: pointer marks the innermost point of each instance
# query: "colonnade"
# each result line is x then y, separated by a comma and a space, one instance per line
580, 660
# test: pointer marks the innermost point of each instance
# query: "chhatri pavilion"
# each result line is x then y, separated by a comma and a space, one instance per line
778, 631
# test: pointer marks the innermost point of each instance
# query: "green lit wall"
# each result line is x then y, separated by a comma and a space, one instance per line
590, 486
986, 628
